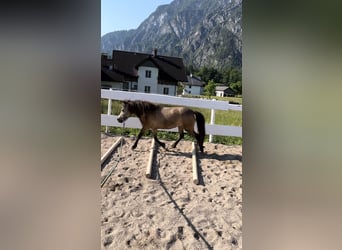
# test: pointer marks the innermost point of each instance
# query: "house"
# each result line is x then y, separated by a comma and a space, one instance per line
149, 73
224, 91
109, 78
194, 86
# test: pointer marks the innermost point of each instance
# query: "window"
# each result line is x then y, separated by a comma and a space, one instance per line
125, 86
166, 91
148, 73
147, 89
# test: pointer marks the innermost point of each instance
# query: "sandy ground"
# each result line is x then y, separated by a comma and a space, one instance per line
169, 211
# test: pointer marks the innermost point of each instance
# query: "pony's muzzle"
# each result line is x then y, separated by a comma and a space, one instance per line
122, 119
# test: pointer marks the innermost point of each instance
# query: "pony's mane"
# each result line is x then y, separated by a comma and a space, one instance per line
141, 107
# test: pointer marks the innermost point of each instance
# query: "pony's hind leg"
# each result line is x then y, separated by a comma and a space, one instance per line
197, 137
181, 136
199, 141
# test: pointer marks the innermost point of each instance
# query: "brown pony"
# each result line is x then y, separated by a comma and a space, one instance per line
154, 117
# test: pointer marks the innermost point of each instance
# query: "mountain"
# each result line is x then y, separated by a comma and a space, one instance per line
202, 32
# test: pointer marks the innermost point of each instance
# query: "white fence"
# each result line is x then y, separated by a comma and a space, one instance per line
211, 129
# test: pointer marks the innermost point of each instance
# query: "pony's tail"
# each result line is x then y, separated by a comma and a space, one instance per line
201, 129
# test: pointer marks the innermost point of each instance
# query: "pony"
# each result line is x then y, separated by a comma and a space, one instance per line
154, 117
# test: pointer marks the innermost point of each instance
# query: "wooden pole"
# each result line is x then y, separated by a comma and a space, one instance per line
194, 164
114, 146
150, 160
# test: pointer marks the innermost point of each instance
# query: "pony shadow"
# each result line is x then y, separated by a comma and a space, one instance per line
224, 157
172, 152
156, 162
189, 155
197, 234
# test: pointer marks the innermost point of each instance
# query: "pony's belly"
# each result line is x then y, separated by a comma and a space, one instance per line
168, 126
165, 124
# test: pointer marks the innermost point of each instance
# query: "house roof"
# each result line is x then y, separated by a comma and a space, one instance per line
225, 89
221, 88
127, 64
194, 81
111, 76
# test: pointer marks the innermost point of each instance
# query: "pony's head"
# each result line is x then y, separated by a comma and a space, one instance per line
125, 113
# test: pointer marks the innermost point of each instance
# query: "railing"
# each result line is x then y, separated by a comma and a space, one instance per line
211, 129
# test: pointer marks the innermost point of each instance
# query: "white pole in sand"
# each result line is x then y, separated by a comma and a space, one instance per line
109, 111
212, 121
114, 146
150, 160
194, 164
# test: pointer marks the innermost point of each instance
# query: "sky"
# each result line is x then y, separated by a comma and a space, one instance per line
126, 14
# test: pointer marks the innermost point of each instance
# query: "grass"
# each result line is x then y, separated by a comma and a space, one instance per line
235, 100
230, 117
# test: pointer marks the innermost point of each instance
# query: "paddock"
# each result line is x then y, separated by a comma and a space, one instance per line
165, 208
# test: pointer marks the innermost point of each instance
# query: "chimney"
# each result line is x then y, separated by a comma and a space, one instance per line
104, 55
155, 50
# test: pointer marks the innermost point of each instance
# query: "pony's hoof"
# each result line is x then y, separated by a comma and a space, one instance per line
133, 147
173, 145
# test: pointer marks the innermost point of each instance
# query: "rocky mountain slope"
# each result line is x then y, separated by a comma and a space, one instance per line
202, 32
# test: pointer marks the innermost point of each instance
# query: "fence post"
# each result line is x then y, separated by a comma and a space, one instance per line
109, 111
212, 121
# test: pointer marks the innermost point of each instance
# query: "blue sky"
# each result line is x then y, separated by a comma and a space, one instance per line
126, 14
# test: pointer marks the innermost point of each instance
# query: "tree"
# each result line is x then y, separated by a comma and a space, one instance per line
237, 87
226, 75
235, 75
208, 74
180, 88
190, 69
209, 89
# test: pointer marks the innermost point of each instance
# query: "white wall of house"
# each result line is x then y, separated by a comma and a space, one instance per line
145, 81
219, 93
171, 89
193, 90
148, 80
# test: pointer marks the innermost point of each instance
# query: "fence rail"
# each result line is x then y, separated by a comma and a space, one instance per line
211, 129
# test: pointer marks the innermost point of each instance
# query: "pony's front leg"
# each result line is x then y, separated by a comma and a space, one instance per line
181, 136
156, 139
141, 133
